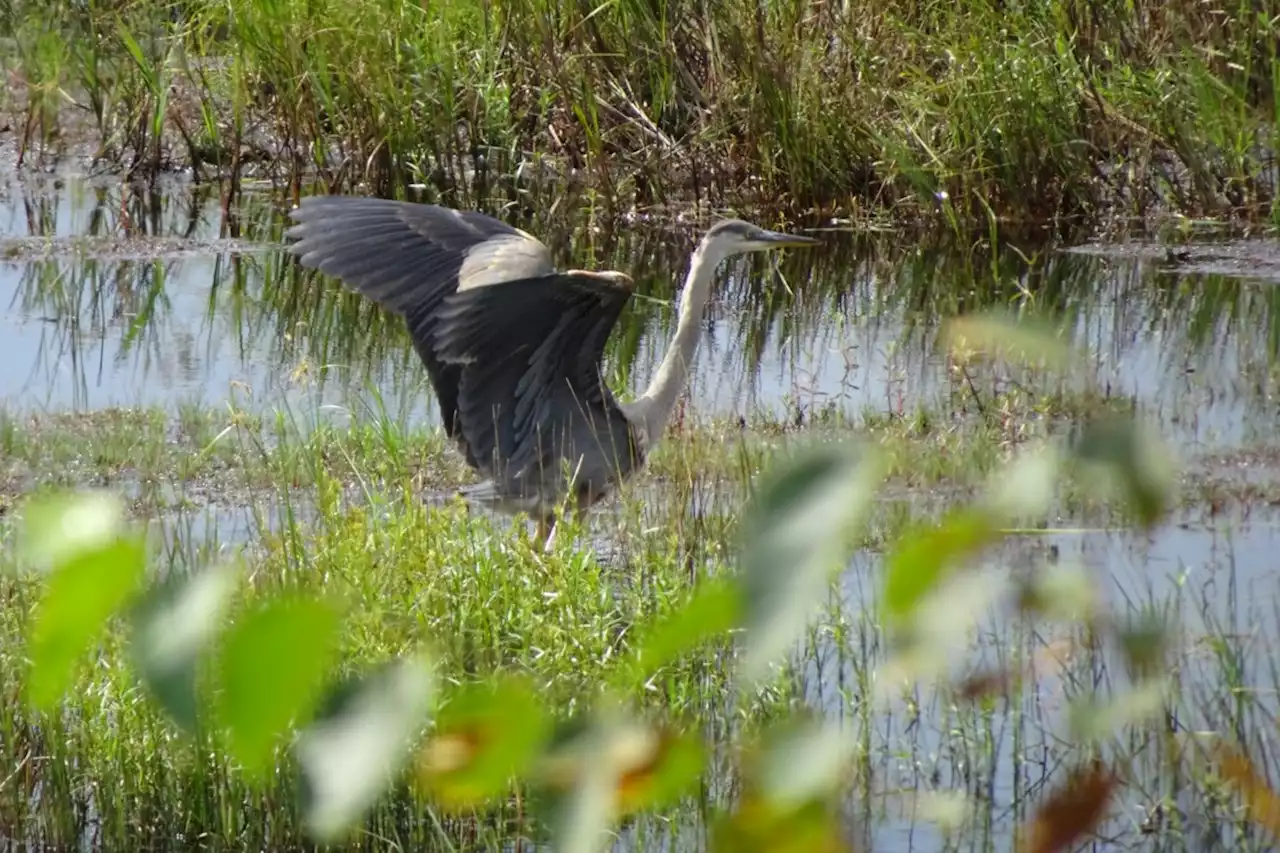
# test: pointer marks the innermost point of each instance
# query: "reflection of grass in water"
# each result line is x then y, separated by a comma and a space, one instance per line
339, 509
862, 300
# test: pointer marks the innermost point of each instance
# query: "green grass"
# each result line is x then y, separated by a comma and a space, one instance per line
228, 457
339, 510
1027, 110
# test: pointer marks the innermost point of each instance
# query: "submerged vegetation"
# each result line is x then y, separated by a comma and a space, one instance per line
1025, 110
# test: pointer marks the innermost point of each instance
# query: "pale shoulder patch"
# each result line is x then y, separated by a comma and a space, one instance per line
504, 258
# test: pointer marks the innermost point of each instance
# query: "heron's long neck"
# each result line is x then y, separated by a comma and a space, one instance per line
669, 382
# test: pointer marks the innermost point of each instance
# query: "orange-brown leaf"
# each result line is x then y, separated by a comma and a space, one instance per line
982, 684
1264, 805
1071, 811
636, 778
991, 682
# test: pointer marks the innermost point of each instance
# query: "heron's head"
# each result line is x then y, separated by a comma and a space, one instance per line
734, 237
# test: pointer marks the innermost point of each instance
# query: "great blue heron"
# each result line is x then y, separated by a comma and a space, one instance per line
513, 346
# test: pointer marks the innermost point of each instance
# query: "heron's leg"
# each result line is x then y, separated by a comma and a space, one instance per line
546, 531
552, 527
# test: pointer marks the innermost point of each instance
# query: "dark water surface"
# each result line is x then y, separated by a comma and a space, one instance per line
150, 300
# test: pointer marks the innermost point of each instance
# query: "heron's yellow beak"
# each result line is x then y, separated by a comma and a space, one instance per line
778, 240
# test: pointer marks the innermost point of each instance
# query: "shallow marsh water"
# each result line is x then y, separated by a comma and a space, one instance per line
111, 300
144, 300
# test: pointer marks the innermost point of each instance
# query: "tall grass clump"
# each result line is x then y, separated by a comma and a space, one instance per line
1016, 110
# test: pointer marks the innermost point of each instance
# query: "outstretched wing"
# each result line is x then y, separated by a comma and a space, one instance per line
531, 391
409, 258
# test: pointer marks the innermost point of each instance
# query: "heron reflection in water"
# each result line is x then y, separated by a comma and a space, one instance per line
512, 346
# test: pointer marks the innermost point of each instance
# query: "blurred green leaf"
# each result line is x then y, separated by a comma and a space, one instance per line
802, 761
923, 558
599, 769
795, 531
758, 826
359, 742
998, 333
1063, 592
562, 752
714, 608
936, 628
1144, 641
271, 673
1024, 488
173, 625
60, 526
584, 818
486, 734
84, 591
1133, 460
588, 764
1092, 720
794, 777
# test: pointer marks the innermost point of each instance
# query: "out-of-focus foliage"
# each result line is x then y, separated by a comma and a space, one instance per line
484, 734
173, 627
271, 672
360, 739
1071, 811
267, 674
94, 568
795, 530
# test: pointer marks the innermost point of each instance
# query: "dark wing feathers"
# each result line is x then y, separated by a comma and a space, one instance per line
588, 362
512, 346
404, 255
525, 347
408, 258
444, 377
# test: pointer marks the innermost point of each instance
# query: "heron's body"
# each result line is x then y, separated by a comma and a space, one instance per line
513, 346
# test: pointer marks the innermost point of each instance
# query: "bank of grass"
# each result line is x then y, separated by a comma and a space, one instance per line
339, 508
1023, 110
227, 458
223, 455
